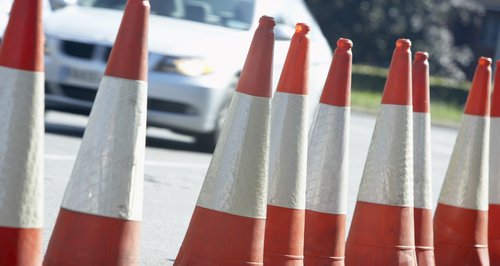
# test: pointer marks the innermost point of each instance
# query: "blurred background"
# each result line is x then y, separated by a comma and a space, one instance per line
197, 49
454, 32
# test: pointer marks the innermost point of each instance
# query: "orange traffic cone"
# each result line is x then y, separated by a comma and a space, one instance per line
424, 242
99, 220
284, 240
327, 169
227, 226
21, 136
494, 208
382, 231
461, 218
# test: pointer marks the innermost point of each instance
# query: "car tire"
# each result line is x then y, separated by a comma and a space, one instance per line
207, 142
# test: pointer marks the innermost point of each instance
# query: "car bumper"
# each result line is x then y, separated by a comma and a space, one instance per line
184, 104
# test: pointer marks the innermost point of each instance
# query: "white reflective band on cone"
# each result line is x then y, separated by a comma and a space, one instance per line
328, 159
422, 160
236, 179
494, 161
388, 174
288, 154
466, 181
21, 148
107, 178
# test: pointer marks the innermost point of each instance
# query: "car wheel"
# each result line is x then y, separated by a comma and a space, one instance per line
207, 142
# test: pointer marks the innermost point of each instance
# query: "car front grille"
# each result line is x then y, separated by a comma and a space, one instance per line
168, 106
86, 94
107, 53
79, 93
78, 49
85, 50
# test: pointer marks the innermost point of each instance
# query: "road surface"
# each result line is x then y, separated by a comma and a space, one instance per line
174, 172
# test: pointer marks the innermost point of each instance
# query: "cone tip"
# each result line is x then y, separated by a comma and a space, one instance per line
294, 74
256, 75
337, 89
302, 28
403, 43
344, 44
478, 101
484, 61
421, 56
267, 21
420, 79
398, 86
129, 56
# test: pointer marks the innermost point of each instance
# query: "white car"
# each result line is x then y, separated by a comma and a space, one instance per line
196, 52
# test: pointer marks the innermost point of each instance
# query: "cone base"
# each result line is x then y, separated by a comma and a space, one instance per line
425, 257
494, 234
85, 239
20, 246
379, 256
424, 241
460, 236
218, 238
324, 239
451, 255
325, 261
387, 239
284, 242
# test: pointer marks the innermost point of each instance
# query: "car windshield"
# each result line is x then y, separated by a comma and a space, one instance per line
236, 14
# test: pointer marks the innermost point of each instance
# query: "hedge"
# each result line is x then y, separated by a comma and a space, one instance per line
369, 78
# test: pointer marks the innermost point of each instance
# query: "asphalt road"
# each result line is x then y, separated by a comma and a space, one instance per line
174, 172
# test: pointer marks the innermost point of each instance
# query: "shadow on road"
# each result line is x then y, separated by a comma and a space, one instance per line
151, 141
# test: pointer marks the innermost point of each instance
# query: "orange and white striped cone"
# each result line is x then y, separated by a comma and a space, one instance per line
461, 217
494, 201
21, 135
382, 231
228, 223
422, 185
99, 220
328, 163
284, 240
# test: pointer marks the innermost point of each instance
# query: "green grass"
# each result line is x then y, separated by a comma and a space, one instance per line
441, 113
447, 114
368, 101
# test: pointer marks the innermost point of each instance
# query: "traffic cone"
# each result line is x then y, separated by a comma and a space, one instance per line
461, 218
284, 240
99, 220
494, 206
227, 226
424, 242
328, 164
21, 135
382, 231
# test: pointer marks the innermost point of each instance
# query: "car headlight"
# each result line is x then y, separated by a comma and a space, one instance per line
183, 65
